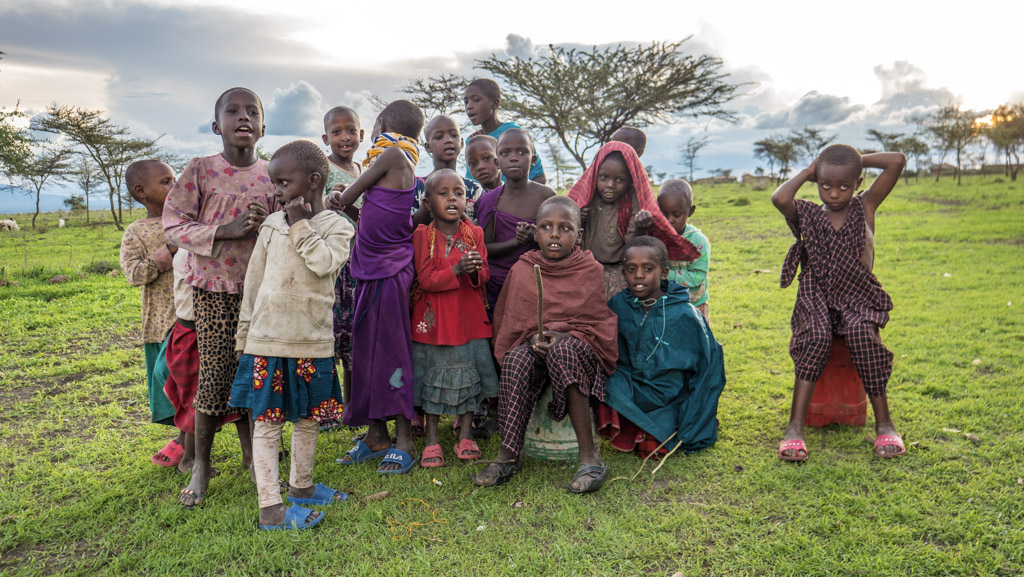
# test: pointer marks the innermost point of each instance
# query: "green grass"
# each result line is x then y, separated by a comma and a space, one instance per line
78, 495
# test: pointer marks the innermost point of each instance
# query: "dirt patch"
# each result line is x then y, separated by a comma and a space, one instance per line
47, 561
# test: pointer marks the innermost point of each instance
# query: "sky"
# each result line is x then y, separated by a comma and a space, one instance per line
158, 65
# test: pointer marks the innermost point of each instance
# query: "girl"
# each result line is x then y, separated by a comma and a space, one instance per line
213, 211
482, 99
452, 364
285, 340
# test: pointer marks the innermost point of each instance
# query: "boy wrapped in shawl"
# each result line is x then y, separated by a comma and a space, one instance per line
668, 378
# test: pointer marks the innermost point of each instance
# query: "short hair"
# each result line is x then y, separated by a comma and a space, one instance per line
516, 132
403, 117
632, 136
340, 110
433, 177
436, 119
489, 87
223, 95
137, 172
652, 243
564, 202
482, 139
840, 155
677, 186
309, 156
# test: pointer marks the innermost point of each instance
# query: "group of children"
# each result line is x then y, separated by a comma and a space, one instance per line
250, 298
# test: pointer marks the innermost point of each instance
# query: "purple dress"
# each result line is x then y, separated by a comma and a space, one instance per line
504, 229
382, 266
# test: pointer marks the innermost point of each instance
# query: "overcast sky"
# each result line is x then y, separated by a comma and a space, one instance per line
158, 65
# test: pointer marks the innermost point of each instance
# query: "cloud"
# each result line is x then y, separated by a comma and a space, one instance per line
813, 109
905, 94
518, 46
296, 111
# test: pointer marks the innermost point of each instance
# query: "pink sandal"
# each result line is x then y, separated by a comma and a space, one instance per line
170, 455
432, 452
796, 445
467, 450
889, 441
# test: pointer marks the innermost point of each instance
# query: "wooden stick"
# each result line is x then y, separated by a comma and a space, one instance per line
540, 304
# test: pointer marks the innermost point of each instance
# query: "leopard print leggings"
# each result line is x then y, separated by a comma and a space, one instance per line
216, 323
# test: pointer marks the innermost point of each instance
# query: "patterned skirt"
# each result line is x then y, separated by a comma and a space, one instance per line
614, 280
453, 380
278, 389
344, 308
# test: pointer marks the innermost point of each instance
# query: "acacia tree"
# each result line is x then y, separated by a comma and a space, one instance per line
109, 145
88, 179
51, 164
915, 148
15, 142
809, 142
778, 149
1007, 136
691, 149
951, 129
887, 140
563, 167
582, 97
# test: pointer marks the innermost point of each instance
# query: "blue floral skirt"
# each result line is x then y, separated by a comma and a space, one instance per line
278, 389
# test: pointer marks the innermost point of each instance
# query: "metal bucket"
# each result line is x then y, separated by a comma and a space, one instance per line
551, 440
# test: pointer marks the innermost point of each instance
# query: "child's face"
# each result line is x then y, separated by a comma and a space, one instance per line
343, 134
643, 272
515, 154
290, 180
483, 163
676, 209
158, 182
443, 140
239, 121
479, 106
837, 184
447, 198
556, 232
613, 180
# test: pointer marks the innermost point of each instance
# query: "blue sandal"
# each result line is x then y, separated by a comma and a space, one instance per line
322, 495
399, 457
361, 453
295, 519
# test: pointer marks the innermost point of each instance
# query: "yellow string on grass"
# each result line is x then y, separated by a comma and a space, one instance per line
403, 531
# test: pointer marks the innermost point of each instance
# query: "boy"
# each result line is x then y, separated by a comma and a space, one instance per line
443, 142
670, 370
675, 200
382, 263
632, 136
837, 293
575, 354
146, 262
482, 161
482, 99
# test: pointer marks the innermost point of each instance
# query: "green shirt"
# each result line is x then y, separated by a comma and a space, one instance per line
693, 275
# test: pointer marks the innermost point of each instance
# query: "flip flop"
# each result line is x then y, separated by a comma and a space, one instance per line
468, 450
322, 495
328, 426
399, 457
361, 453
601, 472
197, 499
889, 441
295, 519
794, 445
170, 455
432, 452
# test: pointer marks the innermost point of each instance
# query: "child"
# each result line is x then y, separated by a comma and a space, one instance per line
632, 136
482, 99
146, 262
452, 361
343, 133
285, 342
675, 200
575, 354
482, 161
617, 204
382, 264
837, 293
670, 371
443, 143
506, 213
213, 212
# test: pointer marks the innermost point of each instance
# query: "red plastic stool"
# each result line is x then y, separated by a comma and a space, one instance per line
839, 393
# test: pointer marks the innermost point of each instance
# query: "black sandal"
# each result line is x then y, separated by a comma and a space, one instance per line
506, 469
599, 472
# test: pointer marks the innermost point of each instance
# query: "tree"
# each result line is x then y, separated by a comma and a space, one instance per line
951, 129
15, 142
809, 142
565, 169
109, 145
915, 148
88, 179
436, 95
778, 149
49, 164
75, 202
583, 97
1007, 135
691, 149
887, 140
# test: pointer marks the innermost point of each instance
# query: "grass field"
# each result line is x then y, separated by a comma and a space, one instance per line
78, 494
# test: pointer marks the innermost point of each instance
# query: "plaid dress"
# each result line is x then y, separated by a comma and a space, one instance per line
836, 296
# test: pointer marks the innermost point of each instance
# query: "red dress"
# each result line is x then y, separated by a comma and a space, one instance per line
448, 309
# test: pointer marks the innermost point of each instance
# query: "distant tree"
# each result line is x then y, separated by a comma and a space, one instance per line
916, 149
15, 142
436, 95
778, 149
88, 178
49, 164
691, 149
887, 140
76, 202
108, 145
1007, 136
583, 97
565, 169
809, 142
759, 171
261, 153
765, 149
951, 129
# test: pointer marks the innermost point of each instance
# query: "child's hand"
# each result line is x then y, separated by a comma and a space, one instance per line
172, 248
470, 263
524, 232
642, 221
297, 209
584, 213
541, 347
333, 201
812, 171
242, 226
